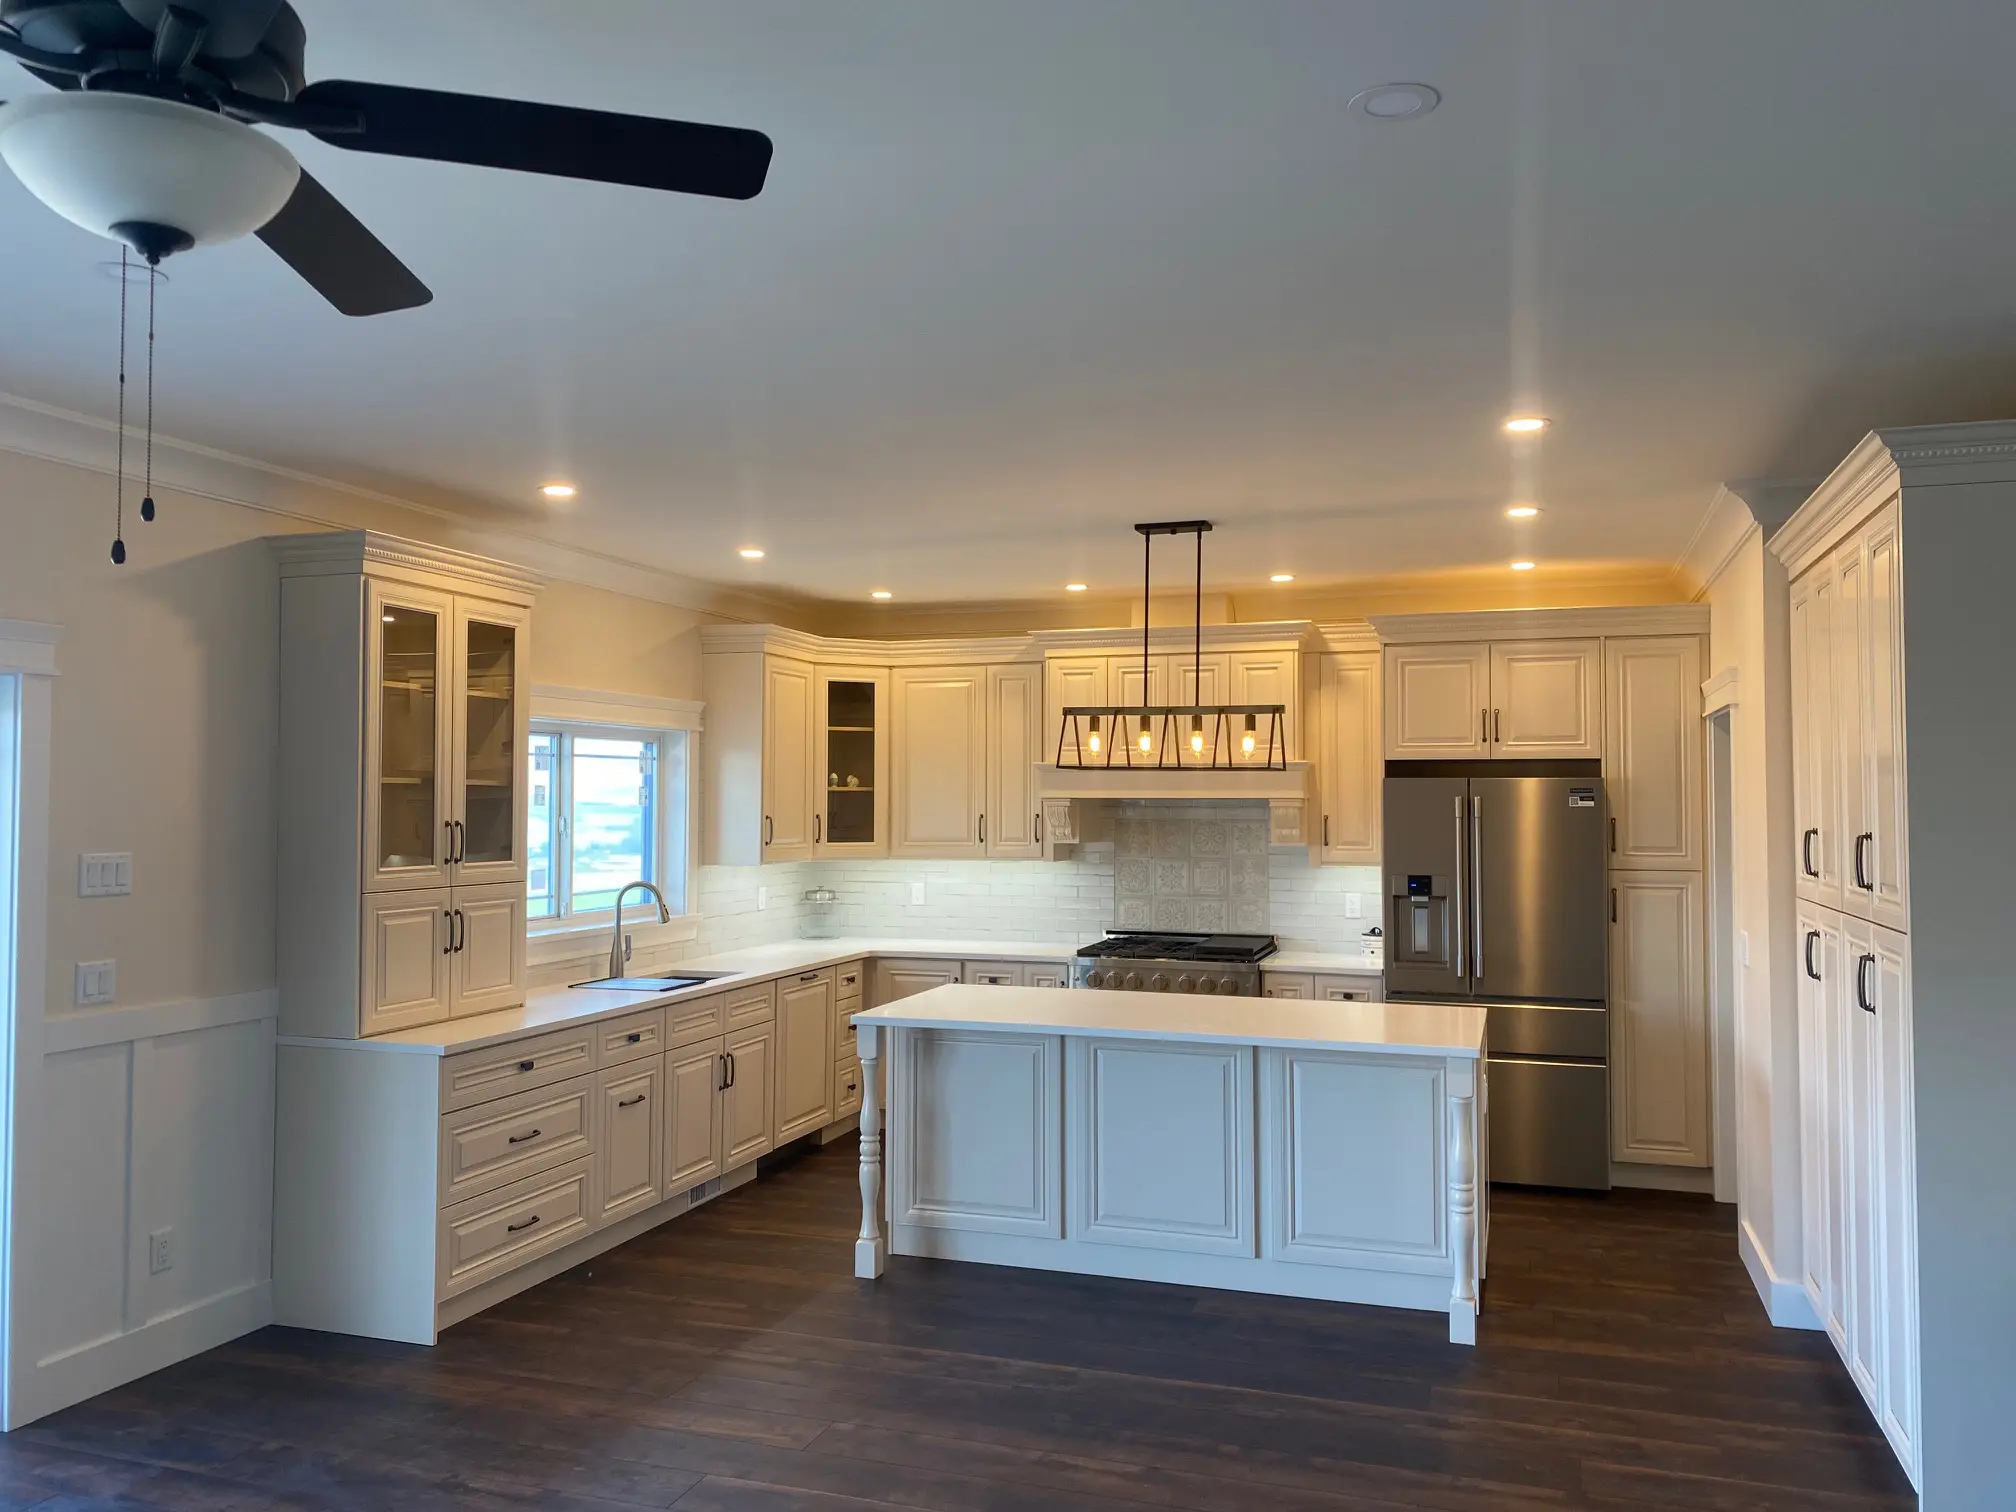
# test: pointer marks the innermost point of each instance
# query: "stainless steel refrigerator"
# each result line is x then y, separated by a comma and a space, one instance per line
1495, 893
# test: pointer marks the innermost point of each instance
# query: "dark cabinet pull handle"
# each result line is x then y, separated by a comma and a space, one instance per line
526, 1065
730, 1058
448, 859
817, 825
1862, 983
521, 1138
1613, 905
461, 930
808, 976
631, 1102
448, 918
1613, 834
1326, 831
983, 829
1037, 829
513, 1228
1484, 726
1812, 939
461, 842
1861, 871
637, 1038
1806, 852
769, 830
1497, 726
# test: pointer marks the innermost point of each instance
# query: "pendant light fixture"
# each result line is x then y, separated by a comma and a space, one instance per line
1192, 736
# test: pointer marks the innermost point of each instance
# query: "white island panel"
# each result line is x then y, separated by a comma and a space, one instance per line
982, 1114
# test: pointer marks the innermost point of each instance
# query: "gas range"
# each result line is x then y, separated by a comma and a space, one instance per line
1155, 960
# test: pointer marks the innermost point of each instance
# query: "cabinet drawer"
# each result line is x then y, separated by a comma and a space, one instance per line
536, 1061
496, 1142
995, 973
846, 1088
751, 1005
627, 1038
1342, 989
495, 1233
846, 1042
687, 1023
847, 983
1286, 984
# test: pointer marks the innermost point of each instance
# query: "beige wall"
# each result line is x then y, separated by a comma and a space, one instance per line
165, 716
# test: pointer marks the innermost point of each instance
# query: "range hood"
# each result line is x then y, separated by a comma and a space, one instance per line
1289, 791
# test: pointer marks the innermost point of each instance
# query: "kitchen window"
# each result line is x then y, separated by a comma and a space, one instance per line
607, 805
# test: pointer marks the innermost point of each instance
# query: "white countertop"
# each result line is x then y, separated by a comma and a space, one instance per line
1385, 1028
1355, 963
555, 1007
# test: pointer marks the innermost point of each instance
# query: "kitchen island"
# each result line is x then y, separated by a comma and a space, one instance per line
1308, 1149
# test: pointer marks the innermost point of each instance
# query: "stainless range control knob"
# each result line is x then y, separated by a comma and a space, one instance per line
1158, 983
1133, 982
1095, 979
1188, 983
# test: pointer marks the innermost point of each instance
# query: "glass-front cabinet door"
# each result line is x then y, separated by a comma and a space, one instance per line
491, 729
851, 775
408, 836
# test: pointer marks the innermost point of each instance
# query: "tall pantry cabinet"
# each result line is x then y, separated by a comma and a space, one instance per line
404, 715
1906, 1037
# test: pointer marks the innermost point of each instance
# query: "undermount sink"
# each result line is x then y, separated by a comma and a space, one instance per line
647, 984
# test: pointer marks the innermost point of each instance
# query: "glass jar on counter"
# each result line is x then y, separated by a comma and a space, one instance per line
819, 918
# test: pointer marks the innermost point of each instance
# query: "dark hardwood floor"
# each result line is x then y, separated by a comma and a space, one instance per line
730, 1361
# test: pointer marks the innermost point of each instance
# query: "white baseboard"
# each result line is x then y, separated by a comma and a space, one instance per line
1785, 1302
81, 1373
1661, 1178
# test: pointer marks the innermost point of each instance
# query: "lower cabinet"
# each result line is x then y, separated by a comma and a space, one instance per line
1659, 1090
695, 1122
1322, 988
747, 1099
630, 1153
896, 979
489, 1235
846, 1088
804, 1055
408, 947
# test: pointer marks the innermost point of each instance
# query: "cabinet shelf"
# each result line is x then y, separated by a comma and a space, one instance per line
850, 790
850, 729
406, 685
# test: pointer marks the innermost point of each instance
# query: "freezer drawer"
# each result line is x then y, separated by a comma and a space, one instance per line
1581, 1032
1550, 1123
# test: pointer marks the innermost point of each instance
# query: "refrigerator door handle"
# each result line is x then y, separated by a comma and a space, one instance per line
1461, 861
1476, 887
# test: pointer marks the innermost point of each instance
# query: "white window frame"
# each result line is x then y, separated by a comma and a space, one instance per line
583, 711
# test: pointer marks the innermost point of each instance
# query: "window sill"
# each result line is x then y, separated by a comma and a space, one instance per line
580, 941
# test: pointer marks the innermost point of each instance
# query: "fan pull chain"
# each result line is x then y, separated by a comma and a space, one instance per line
119, 506
147, 494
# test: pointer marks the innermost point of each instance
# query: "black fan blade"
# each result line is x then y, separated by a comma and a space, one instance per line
340, 258
598, 145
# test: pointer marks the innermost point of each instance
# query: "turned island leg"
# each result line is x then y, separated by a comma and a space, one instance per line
871, 1250
1462, 1082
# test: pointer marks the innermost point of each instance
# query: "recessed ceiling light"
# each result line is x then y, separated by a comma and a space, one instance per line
1522, 566
1525, 425
751, 553
880, 593
1282, 577
559, 490
1074, 587
1521, 512
1395, 102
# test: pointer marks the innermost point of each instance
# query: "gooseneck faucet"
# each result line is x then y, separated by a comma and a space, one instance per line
616, 964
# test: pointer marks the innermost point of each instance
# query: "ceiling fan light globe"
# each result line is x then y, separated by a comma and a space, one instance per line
102, 160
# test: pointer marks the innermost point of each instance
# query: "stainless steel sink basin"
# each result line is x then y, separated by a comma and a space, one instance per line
647, 984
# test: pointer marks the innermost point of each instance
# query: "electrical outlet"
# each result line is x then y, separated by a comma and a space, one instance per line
97, 982
916, 894
105, 874
1354, 906
161, 1250
762, 898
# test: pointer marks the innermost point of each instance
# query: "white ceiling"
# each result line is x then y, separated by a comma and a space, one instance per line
1025, 273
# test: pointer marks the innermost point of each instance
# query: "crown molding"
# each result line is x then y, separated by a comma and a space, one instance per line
1347, 635
1881, 464
1541, 624
1247, 635
29, 647
343, 552
942, 651
67, 438
595, 706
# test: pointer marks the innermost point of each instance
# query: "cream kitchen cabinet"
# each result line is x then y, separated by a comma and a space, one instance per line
630, 1138
1350, 773
1816, 749
1268, 677
1071, 682
1659, 1090
748, 1100
1652, 753
967, 740
850, 769
404, 723
789, 751
894, 978
695, 1122
1438, 702
1508, 700
803, 1098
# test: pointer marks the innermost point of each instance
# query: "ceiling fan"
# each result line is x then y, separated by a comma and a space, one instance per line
149, 140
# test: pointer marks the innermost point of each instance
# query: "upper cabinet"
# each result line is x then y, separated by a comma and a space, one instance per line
1494, 700
940, 763
851, 774
405, 717
1349, 769
1014, 746
1438, 702
1652, 751
790, 807
1848, 725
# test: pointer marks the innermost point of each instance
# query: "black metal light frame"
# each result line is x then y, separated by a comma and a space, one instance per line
1172, 751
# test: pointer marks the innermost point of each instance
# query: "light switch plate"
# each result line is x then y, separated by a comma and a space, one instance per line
1354, 906
97, 982
105, 874
917, 894
762, 898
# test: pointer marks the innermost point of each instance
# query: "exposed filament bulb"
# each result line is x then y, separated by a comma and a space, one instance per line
1197, 734
1247, 741
1146, 742
1092, 740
